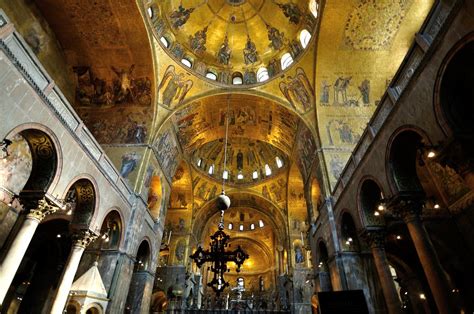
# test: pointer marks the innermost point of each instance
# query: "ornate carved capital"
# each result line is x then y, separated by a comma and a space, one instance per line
407, 206
375, 237
83, 238
455, 154
44, 208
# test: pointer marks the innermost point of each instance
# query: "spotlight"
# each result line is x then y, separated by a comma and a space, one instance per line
58, 235
381, 207
399, 237
431, 154
376, 214
436, 206
422, 296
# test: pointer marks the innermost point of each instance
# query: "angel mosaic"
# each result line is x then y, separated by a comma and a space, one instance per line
175, 87
180, 16
223, 56
198, 41
250, 52
298, 91
292, 12
276, 37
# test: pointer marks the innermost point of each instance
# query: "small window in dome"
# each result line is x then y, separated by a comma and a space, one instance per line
187, 63
225, 175
305, 37
211, 76
211, 169
150, 12
231, 226
260, 223
286, 61
262, 74
164, 41
279, 162
255, 175
313, 7
199, 162
268, 170
237, 79
241, 227
252, 226
240, 176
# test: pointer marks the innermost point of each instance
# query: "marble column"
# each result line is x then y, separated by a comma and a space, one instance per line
80, 241
20, 244
375, 237
409, 209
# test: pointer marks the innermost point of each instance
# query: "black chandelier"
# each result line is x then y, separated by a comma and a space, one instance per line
217, 254
219, 257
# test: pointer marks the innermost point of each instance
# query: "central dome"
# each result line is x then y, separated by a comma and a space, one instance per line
235, 42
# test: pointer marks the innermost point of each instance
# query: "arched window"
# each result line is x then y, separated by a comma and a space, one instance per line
313, 7
279, 162
165, 41
187, 62
260, 223
262, 74
225, 175
211, 76
305, 37
150, 12
211, 169
252, 226
237, 79
255, 175
268, 170
286, 61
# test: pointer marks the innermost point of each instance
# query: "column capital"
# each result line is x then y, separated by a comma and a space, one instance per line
407, 206
374, 237
44, 208
454, 154
83, 238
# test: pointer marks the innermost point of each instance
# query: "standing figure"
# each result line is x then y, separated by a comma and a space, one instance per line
250, 52
223, 56
364, 89
276, 37
324, 99
240, 160
123, 87
198, 41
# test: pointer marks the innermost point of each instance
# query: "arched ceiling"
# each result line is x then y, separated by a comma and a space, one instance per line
250, 117
228, 36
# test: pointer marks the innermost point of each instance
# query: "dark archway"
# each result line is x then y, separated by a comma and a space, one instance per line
140, 277
402, 161
82, 196
37, 278
457, 94
324, 275
370, 203
349, 238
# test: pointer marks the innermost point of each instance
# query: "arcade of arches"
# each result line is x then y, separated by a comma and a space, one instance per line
342, 132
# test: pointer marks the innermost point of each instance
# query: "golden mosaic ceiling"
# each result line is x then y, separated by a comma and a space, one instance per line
228, 36
248, 160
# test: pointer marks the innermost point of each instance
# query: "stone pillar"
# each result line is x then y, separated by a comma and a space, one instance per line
19, 246
409, 209
375, 238
80, 241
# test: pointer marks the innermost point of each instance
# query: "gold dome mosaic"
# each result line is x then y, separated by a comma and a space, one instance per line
234, 42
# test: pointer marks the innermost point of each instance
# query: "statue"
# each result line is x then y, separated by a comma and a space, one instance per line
180, 17
276, 38
176, 87
198, 41
223, 56
250, 52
